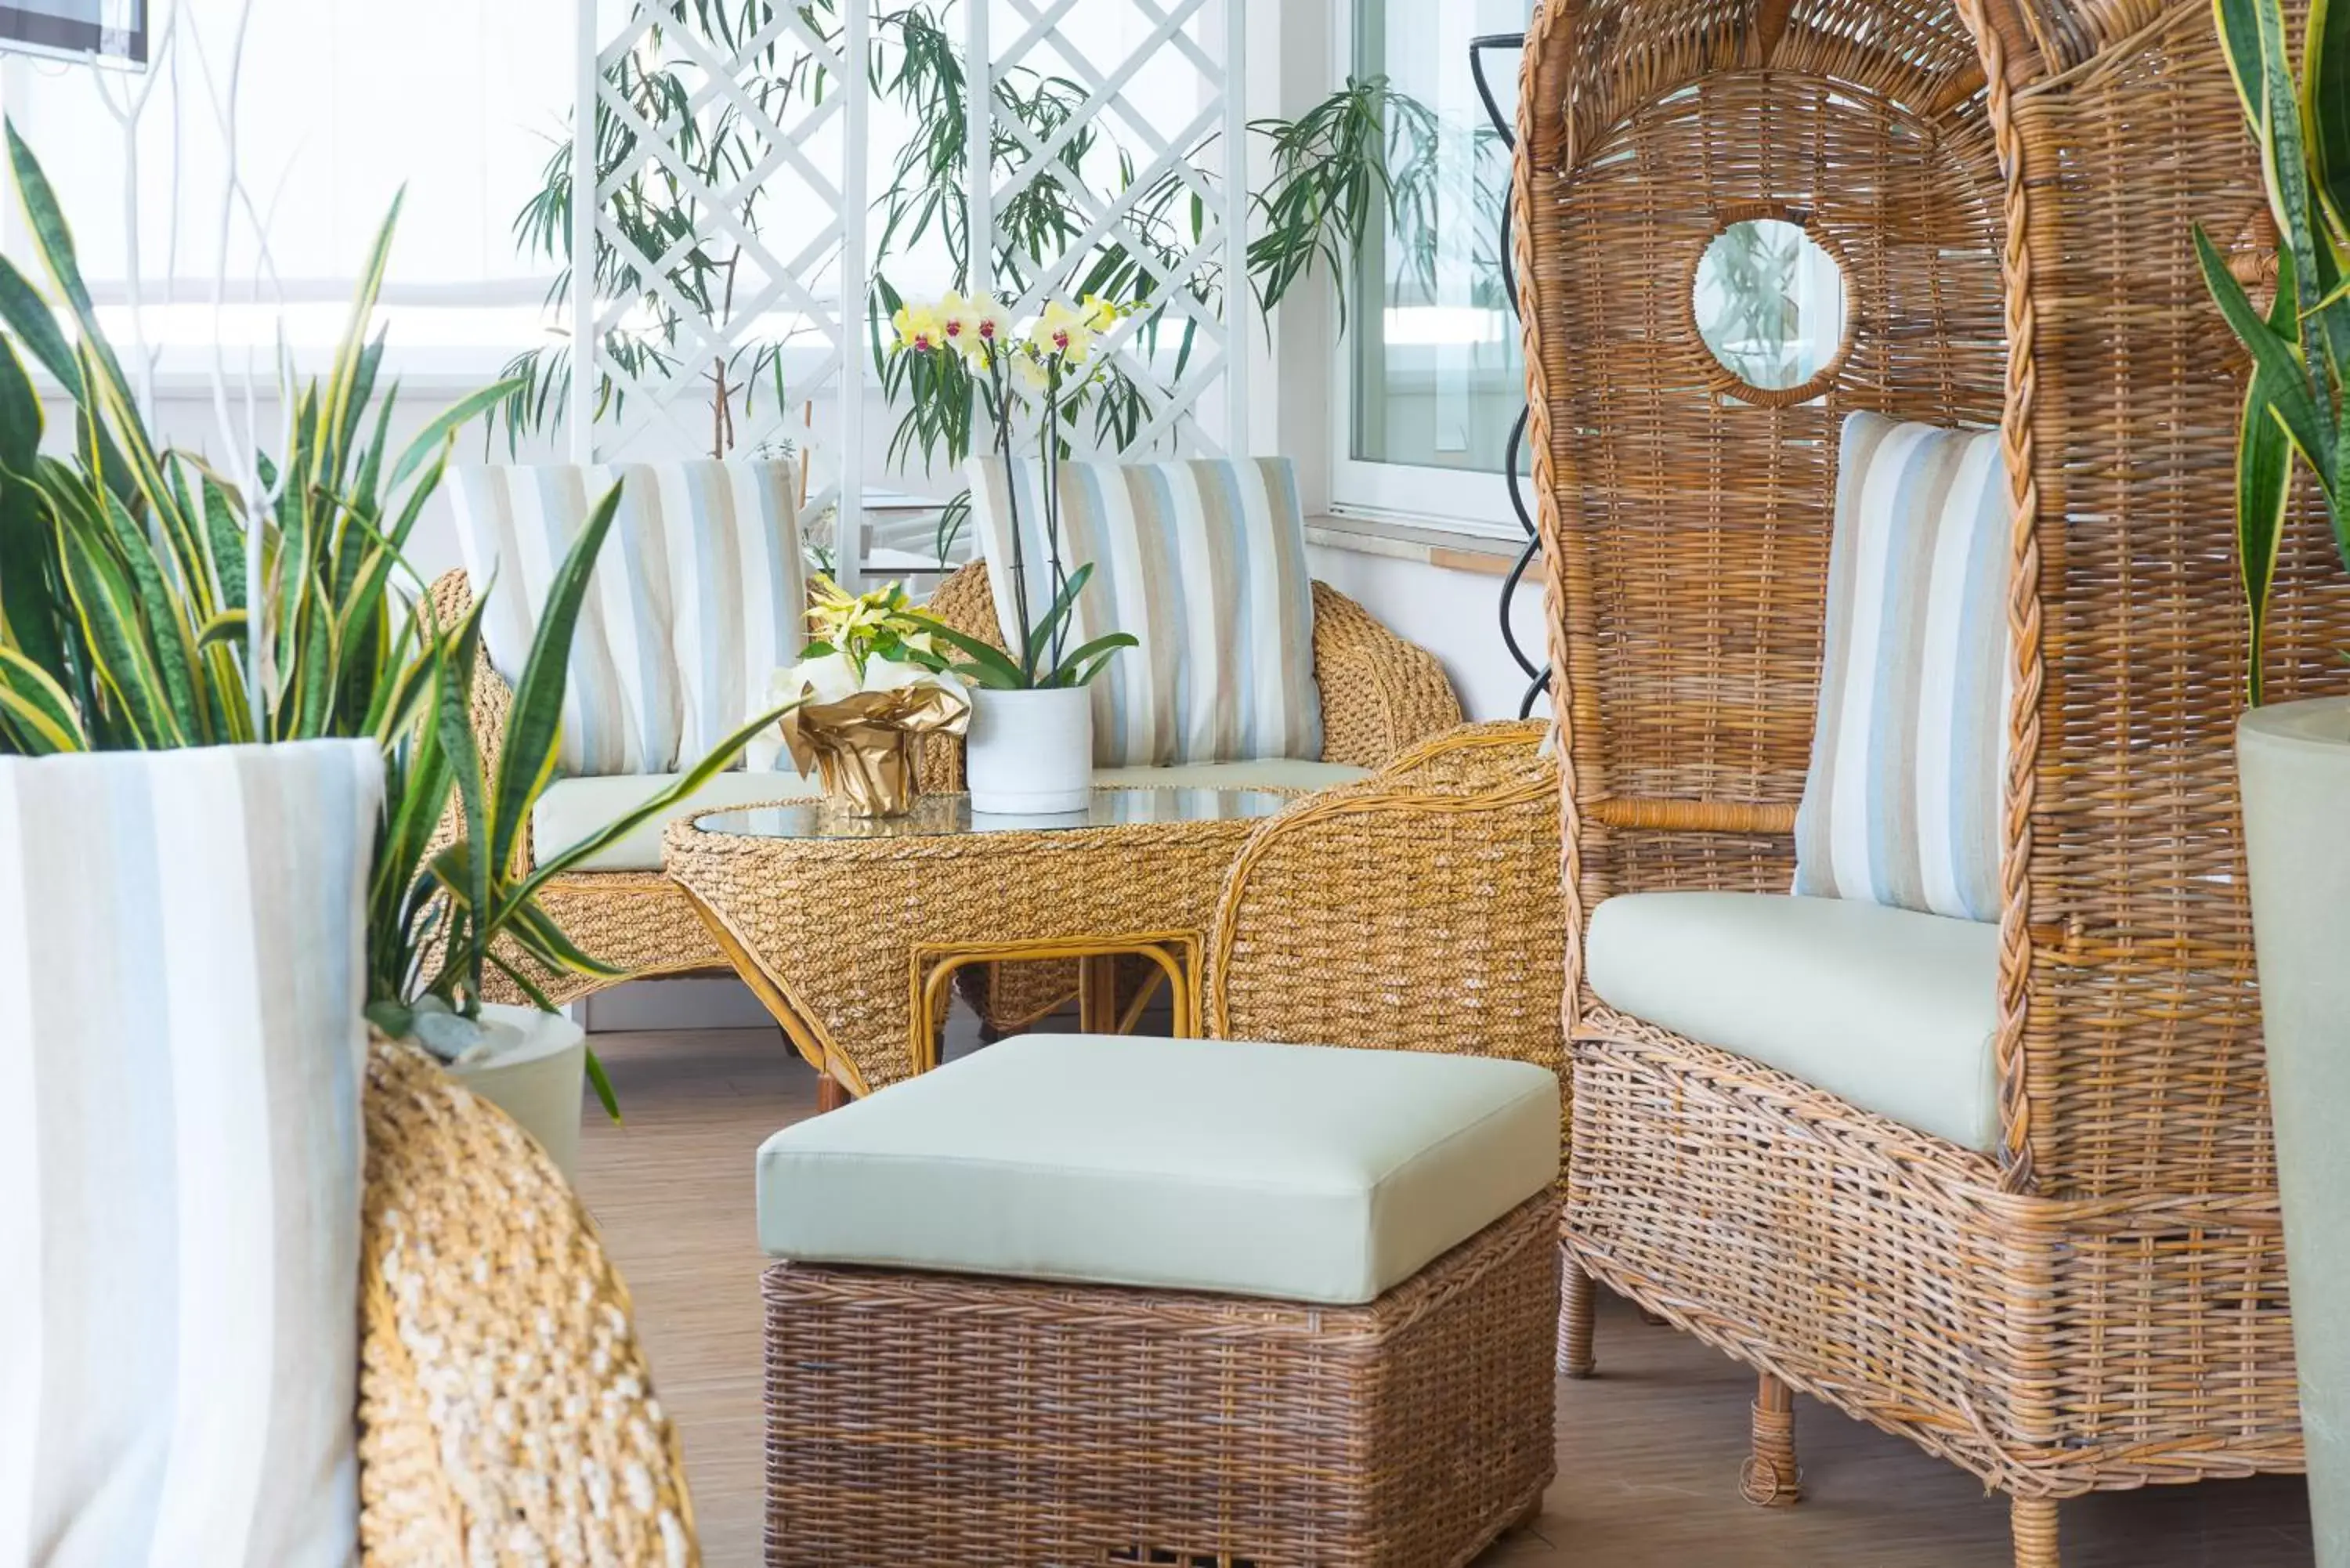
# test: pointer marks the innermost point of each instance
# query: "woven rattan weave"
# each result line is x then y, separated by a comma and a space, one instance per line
2011, 184
507, 1413
942, 1418
840, 934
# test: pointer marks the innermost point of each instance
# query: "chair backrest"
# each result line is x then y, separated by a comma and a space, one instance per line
2010, 186
1204, 561
701, 593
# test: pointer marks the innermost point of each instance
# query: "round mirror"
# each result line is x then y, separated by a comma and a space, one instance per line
1770, 304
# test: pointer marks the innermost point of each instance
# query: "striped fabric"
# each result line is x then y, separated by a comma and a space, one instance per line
1901, 806
182, 940
699, 596
1205, 563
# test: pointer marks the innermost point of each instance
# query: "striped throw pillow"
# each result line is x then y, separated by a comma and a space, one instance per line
699, 596
1204, 562
182, 943
1902, 803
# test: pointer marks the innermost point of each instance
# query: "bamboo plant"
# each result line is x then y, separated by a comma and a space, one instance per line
2296, 412
124, 626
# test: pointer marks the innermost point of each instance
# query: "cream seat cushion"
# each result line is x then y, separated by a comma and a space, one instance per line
1296, 1172
1267, 773
571, 809
1889, 1009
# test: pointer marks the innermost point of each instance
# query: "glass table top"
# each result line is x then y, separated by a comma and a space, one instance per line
947, 815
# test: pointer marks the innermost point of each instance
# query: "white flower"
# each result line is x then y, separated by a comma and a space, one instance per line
825, 678
890, 675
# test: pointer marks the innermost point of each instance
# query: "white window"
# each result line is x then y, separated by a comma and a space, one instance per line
342, 105
1430, 360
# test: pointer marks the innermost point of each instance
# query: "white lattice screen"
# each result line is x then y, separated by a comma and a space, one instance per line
769, 273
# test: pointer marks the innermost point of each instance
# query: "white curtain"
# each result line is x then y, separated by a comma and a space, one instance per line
340, 104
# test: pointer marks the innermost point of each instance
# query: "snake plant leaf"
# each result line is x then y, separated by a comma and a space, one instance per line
2325, 105
535, 932
2274, 356
108, 610
454, 720
534, 724
443, 427
28, 573
719, 758
227, 627
34, 710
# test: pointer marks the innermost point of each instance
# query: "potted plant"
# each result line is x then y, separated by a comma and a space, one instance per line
1030, 747
127, 622
448, 905
869, 684
2293, 758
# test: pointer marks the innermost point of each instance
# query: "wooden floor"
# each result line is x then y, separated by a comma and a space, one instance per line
1648, 1451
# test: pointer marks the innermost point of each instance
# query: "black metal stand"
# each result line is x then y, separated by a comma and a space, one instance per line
1539, 673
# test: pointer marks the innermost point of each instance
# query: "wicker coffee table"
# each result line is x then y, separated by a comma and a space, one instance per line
850, 929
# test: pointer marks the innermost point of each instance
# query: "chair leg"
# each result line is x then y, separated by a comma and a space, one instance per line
1769, 1478
2035, 1522
1576, 1295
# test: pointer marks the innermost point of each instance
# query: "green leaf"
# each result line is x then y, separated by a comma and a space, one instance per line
990, 665
534, 724
38, 706
1098, 653
716, 762
2274, 355
445, 425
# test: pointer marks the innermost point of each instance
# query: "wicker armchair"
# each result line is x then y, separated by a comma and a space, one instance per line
1438, 876
2099, 1301
507, 1413
1379, 696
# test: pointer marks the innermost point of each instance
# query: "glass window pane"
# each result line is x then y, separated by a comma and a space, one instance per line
1437, 376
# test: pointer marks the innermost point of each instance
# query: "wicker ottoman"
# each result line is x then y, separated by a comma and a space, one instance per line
1098, 1300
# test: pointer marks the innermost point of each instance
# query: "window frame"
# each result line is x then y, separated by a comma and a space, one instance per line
1460, 501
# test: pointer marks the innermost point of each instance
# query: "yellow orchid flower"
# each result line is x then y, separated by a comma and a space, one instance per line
918, 327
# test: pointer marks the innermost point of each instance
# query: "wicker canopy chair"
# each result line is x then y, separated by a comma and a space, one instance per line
500, 1375
1381, 695
2099, 1302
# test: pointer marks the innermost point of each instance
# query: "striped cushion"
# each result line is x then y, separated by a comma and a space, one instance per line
1205, 563
1902, 803
180, 1052
699, 596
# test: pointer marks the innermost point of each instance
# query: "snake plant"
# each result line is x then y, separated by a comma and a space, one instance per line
124, 617
2296, 411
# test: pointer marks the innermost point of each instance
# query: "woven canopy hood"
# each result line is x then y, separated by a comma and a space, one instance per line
2006, 191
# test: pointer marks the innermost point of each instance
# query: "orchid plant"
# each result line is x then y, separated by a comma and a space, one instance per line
966, 356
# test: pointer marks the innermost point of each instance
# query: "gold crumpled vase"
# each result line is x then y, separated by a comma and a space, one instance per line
862, 746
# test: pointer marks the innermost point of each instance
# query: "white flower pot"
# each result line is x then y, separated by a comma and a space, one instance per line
1030, 754
2293, 760
536, 1081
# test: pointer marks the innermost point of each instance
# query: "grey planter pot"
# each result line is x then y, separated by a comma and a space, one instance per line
2294, 763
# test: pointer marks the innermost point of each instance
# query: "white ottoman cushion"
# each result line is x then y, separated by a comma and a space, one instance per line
1296, 1172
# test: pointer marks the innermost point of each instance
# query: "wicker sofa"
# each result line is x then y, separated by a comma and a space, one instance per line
1379, 695
2095, 1298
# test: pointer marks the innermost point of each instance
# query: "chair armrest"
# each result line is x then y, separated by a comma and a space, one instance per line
507, 1413
1380, 693
453, 599
1418, 909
